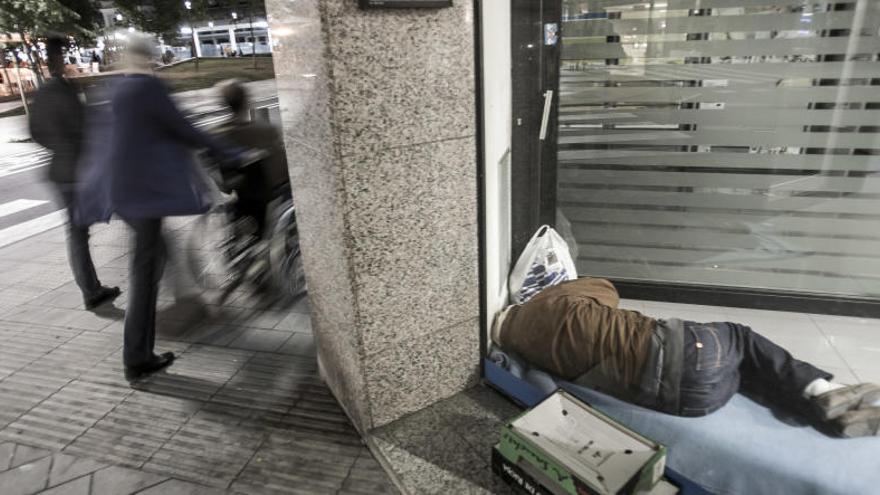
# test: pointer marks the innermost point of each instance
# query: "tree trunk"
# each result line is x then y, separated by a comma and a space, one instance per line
35, 66
253, 38
6, 73
20, 88
195, 53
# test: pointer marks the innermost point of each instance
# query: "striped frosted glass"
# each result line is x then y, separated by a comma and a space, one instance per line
723, 142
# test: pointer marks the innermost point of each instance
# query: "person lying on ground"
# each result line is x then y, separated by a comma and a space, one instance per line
575, 331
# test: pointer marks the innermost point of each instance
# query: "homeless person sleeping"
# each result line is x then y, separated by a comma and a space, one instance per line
685, 368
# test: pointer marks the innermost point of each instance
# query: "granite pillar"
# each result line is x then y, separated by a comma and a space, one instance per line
378, 110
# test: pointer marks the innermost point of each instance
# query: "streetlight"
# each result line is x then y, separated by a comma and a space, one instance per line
234, 31
118, 17
210, 23
195, 35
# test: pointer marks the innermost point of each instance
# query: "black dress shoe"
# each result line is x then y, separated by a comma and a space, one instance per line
139, 371
105, 294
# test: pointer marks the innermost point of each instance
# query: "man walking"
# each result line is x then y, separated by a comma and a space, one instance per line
56, 122
147, 174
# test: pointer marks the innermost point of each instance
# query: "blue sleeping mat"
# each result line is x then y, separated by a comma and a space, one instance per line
744, 448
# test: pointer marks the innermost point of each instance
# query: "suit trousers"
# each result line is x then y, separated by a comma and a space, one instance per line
145, 272
78, 254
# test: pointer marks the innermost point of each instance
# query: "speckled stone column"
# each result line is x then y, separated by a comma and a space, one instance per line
378, 113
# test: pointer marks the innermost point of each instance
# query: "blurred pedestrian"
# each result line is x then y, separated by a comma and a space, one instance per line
270, 179
95, 62
149, 174
56, 122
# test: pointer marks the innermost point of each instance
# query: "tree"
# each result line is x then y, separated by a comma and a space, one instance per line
32, 16
160, 17
26, 18
163, 17
89, 20
31, 19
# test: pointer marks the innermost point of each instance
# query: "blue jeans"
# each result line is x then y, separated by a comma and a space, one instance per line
78, 255
721, 358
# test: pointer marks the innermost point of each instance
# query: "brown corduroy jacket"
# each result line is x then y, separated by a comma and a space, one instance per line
570, 328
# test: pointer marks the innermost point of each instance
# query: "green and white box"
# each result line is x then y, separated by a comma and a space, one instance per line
566, 447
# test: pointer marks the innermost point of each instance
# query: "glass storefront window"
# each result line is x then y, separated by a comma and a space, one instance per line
723, 142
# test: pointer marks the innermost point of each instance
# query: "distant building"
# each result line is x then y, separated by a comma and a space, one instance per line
225, 29
230, 27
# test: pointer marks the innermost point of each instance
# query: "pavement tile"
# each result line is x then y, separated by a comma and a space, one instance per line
476, 415
261, 319
116, 480
177, 487
34, 434
260, 340
25, 454
302, 306
213, 334
417, 444
296, 322
64, 297
20, 294
367, 470
26, 478
67, 467
273, 487
61, 317
301, 344
79, 486
7, 450
231, 404
366, 487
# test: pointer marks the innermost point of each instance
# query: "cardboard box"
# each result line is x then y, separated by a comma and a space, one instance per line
565, 447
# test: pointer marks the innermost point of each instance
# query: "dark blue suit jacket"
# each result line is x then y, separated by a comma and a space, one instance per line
145, 168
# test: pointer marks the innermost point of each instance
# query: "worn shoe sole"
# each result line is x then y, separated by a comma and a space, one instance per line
837, 402
859, 423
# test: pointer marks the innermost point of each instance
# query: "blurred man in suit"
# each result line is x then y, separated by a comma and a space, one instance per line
148, 174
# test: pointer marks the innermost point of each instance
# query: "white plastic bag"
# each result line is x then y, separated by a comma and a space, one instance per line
544, 262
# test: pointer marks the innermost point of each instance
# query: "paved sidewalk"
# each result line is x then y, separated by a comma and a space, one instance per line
9, 105
242, 410
447, 447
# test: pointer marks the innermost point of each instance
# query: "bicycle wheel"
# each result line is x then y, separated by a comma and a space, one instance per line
210, 251
294, 274
284, 254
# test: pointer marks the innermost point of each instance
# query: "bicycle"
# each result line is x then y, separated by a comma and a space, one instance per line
229, 248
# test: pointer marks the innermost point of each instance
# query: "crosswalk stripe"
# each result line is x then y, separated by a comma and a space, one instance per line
18, 205
33, 227
21, 168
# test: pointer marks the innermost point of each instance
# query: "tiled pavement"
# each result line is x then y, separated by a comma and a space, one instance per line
243, 409
446, 448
